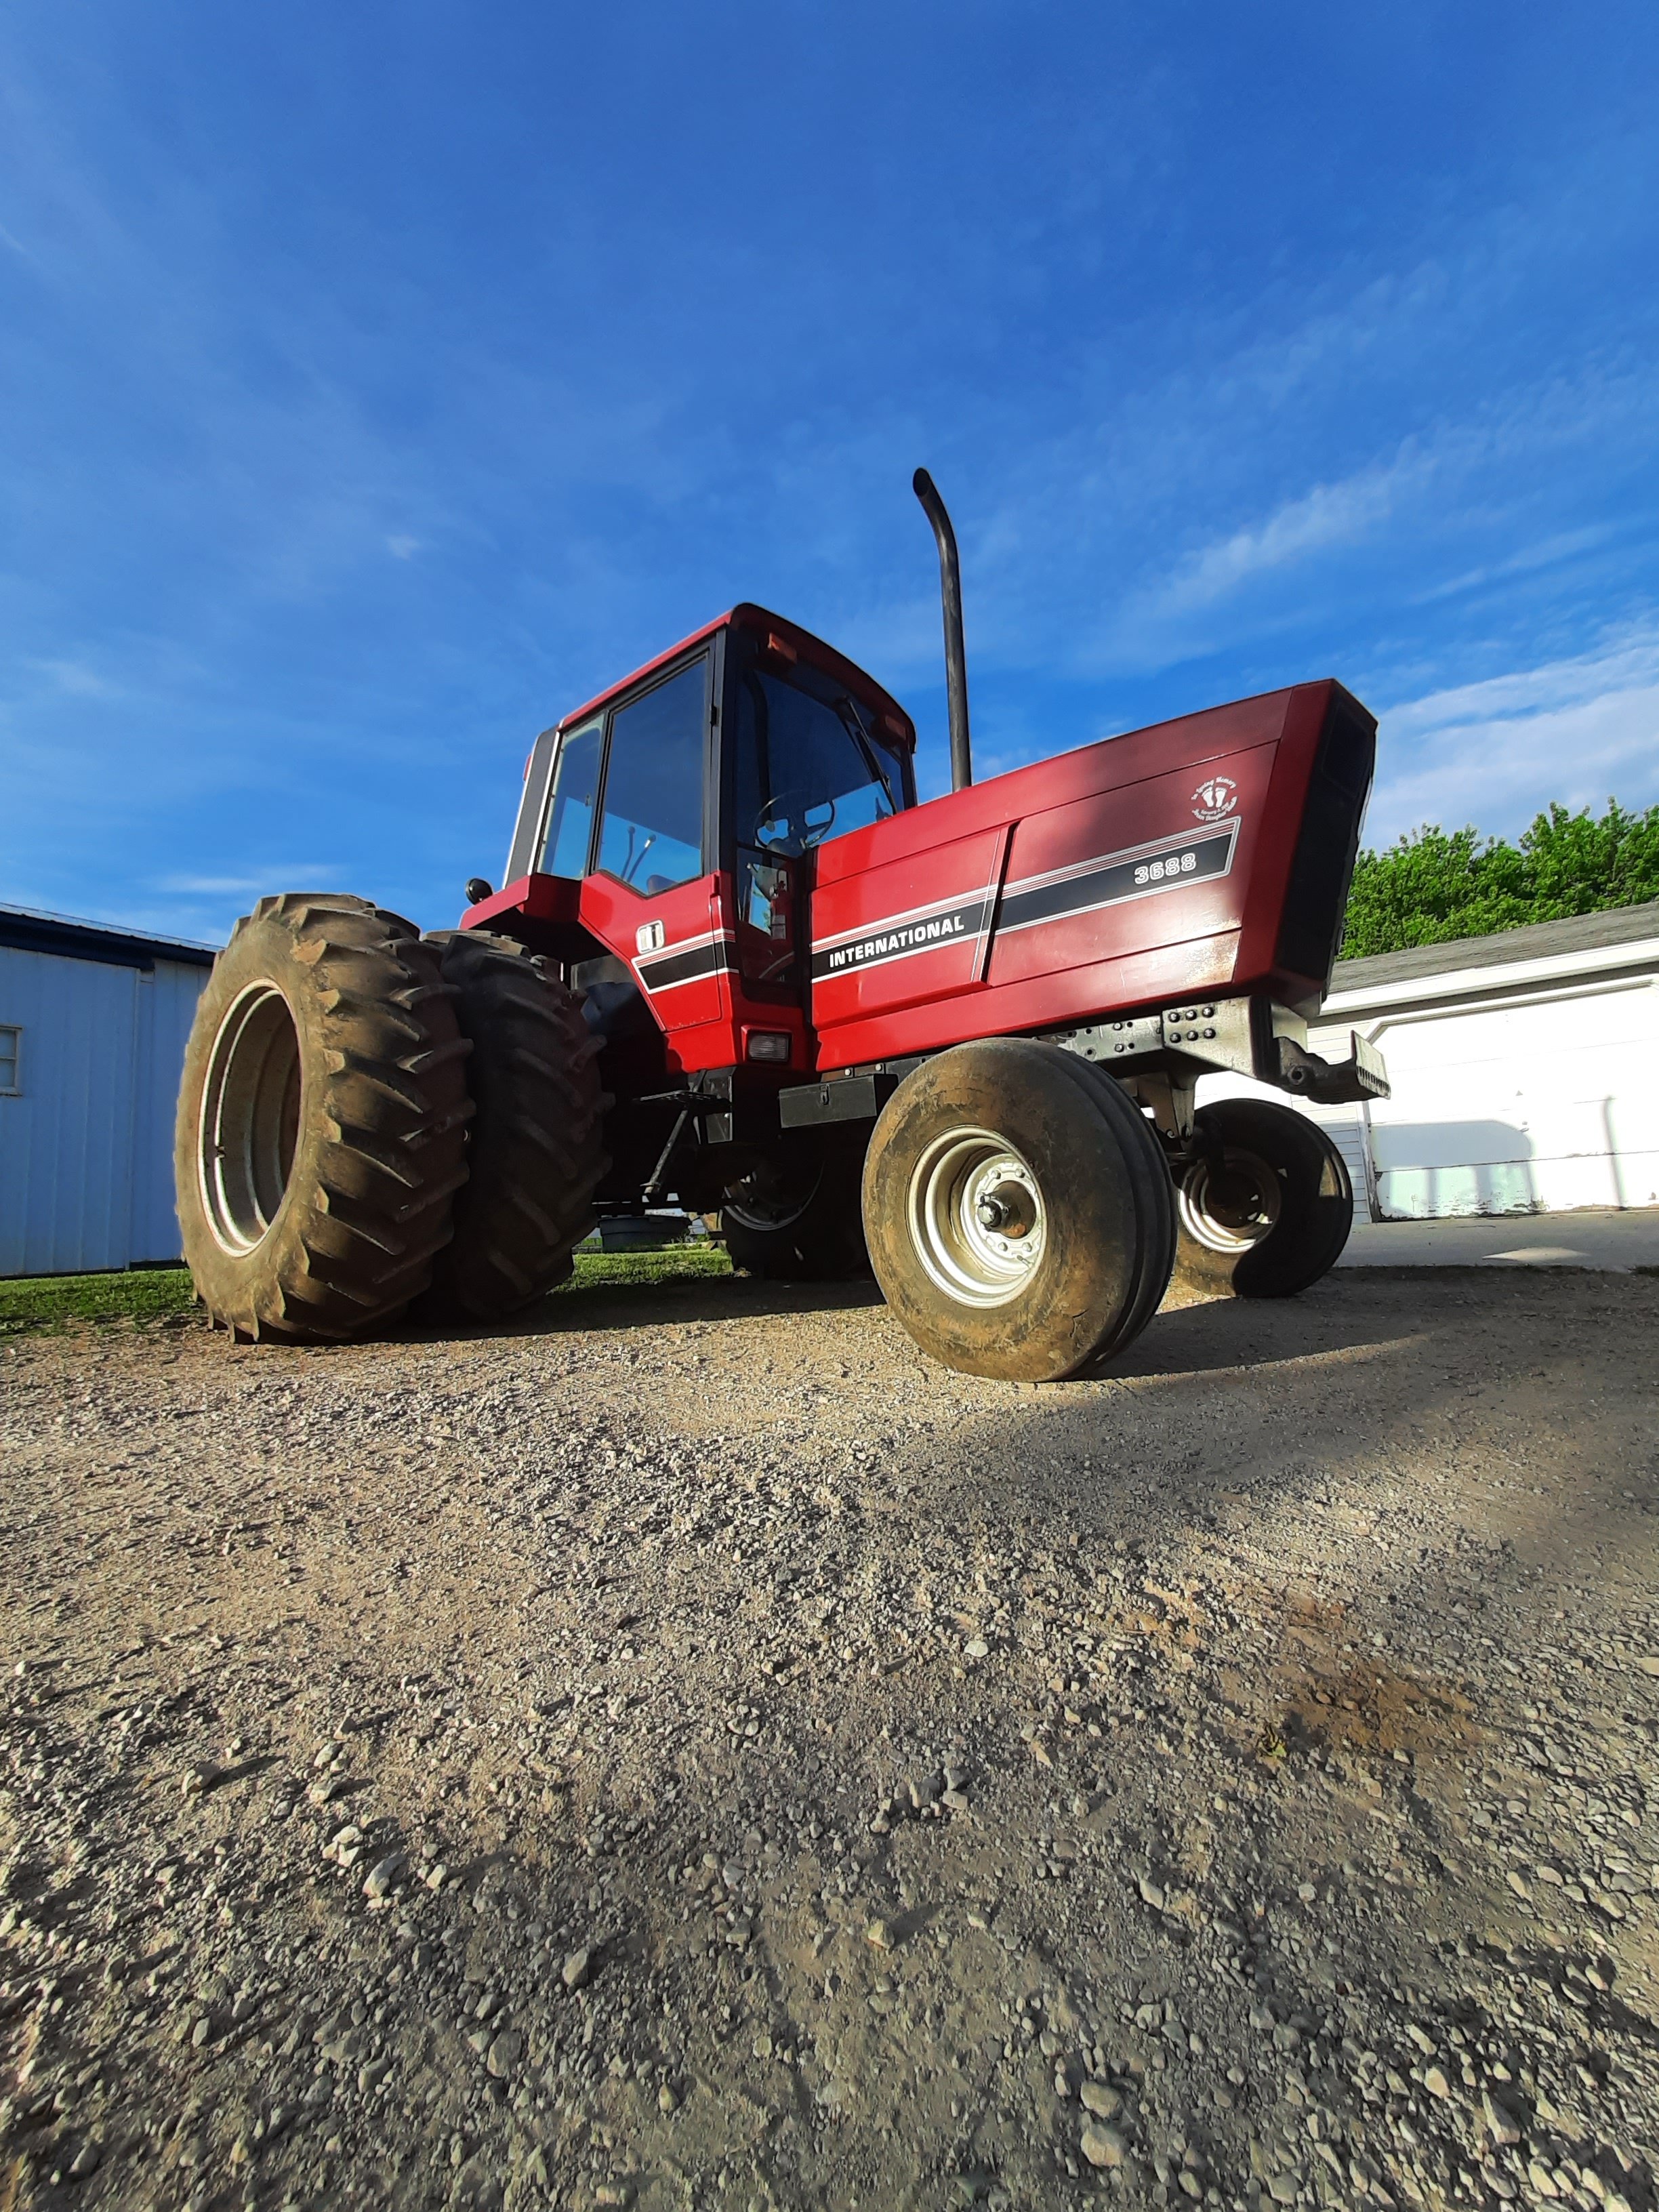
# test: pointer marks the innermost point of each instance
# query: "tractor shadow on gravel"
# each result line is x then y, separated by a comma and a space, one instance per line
658, 1305
1355, 1313
1213, 1335
1205, 1336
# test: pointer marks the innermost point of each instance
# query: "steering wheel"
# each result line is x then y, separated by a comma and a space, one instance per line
775, 826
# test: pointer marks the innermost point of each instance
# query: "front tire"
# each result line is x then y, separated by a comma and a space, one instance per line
1266, 1206
321, 1119
1018, 1210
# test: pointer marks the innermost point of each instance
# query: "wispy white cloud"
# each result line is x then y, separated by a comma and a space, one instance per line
1495, 753
280, 875
1327, 516
1373, 537
1549, 552
76, 678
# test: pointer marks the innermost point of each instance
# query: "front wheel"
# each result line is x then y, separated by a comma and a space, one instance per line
1018, 1210
1265, 1205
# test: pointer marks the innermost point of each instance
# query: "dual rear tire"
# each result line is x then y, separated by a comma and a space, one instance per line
535, 1149
372, 1123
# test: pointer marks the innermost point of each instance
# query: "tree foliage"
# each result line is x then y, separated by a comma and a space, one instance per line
1433, 884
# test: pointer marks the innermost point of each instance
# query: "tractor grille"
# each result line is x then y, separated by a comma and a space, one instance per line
1311, 928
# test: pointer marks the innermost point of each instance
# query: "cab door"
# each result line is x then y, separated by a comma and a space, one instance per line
805, 764
649, 892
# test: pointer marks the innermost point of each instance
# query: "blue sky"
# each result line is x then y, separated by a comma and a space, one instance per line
377, 382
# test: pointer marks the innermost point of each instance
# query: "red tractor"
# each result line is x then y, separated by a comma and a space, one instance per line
737, 964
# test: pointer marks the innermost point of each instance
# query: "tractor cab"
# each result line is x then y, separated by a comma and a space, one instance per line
664, 839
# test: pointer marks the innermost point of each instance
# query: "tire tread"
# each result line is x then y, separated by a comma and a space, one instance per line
536, 1149
385, 1106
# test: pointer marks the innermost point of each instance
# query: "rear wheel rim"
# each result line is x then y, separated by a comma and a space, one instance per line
249, 1118
977, 1218
1230, 1208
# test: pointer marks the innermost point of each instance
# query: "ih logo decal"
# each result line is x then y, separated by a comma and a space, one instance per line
1215, 800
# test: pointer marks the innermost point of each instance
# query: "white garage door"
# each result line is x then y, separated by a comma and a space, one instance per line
1523, 1109
1520, 1109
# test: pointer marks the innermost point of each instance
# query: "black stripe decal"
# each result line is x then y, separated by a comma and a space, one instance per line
927, 932
1140, 873
700, 960
1183, 860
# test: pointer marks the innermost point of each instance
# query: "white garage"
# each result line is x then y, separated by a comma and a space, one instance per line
1524, 1067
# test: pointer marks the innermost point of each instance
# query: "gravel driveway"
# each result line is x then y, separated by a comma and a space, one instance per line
692, 1753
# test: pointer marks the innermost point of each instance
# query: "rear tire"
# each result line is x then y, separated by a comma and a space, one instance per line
1266, 1208
535, 1151
322, 1115
1018, 1210
796, 1218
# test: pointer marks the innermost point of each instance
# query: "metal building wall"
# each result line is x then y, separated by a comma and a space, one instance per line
86, 1167
167, 1008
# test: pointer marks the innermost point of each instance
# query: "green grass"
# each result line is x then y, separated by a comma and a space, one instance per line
50, 1302
674, 1263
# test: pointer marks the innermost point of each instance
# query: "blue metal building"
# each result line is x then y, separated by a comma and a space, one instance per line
93, 1026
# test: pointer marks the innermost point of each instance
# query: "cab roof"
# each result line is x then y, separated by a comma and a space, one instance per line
747, 615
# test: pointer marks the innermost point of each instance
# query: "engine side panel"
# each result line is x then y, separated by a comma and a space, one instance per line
1132, 871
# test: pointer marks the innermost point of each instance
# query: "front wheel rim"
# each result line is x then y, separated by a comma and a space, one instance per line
249, 1118
1230, 1208
978, 1221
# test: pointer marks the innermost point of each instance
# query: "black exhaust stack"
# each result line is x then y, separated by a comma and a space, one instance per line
956, 655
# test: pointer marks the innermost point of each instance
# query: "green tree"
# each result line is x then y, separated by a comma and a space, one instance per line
1434, 885
1581, 865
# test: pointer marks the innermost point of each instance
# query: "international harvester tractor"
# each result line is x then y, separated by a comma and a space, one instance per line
735, 965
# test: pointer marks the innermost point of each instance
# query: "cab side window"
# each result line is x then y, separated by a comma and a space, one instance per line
570, 818
651, 835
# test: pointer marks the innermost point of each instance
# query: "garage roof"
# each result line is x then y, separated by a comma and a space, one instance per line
25, 929
1534, 940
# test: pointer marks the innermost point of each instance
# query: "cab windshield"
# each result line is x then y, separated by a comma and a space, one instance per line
810, 764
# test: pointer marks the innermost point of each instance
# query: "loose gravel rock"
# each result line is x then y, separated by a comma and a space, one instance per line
693, 1752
